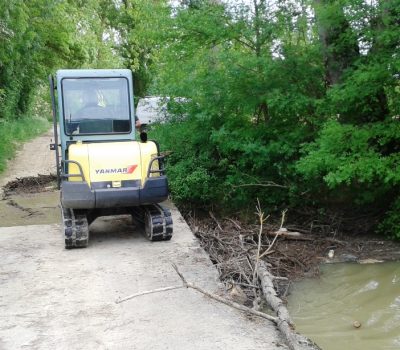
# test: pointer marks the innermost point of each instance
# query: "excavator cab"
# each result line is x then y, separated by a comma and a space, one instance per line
101, 168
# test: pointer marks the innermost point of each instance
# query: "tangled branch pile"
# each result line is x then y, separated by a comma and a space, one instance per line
235, 249
245, 258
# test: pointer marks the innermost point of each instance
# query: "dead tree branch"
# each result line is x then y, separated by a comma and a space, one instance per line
158, 290
263, 184
223, 300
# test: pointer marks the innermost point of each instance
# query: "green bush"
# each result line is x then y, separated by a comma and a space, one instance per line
226, 167
189, 166
305, 123
364, 159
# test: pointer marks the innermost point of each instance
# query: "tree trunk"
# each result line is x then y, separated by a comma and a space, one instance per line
339, 44
386, 16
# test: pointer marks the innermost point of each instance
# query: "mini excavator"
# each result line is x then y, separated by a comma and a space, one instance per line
101, 168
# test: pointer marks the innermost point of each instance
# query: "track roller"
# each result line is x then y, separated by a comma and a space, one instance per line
157, 221
76, 229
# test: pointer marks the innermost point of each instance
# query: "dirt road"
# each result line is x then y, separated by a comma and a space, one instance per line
52, 298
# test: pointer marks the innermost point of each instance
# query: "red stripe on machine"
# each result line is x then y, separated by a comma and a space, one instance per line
131, 169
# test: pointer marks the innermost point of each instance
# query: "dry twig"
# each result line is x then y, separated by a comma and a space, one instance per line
215, 219
266, 184
261, 219
158, 290
223, 300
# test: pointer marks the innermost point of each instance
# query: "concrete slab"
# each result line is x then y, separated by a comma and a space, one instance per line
52, 298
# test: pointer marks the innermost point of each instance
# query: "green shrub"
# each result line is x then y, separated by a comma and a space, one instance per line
365, 158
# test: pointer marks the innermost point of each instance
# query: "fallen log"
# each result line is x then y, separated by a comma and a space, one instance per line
294, 340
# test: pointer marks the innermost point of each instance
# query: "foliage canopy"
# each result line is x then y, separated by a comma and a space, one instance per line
294, 102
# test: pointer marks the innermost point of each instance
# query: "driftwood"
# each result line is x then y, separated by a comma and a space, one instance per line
290, 235
223, 300
294, 340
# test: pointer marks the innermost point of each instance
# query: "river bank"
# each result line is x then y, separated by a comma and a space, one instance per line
290, 255
322, 305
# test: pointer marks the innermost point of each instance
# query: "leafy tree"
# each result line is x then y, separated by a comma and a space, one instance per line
41, 35
293, 103
139, 25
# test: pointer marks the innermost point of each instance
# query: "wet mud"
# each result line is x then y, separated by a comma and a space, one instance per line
32, 200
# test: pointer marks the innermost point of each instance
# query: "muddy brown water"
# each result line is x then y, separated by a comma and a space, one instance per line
30, 209
327, 309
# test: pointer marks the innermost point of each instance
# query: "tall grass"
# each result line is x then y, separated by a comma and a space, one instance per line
17, 131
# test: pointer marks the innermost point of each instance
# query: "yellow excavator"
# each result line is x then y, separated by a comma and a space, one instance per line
101, 168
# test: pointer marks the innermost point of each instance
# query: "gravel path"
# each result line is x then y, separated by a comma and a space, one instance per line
32, 159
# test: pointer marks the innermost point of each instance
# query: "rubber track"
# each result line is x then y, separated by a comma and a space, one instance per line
76, 229
157, 221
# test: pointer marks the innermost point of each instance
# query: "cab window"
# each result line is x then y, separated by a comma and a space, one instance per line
96, 106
